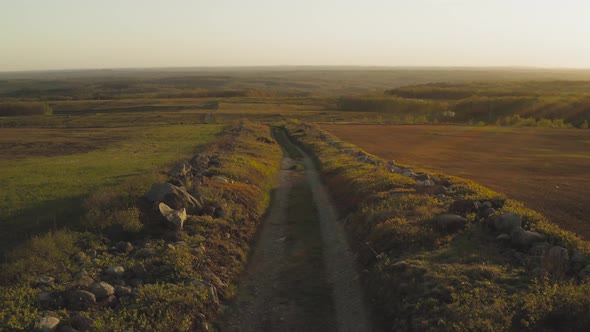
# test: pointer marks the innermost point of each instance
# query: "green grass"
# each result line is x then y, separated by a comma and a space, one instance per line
167, 301
426, 280
48, 190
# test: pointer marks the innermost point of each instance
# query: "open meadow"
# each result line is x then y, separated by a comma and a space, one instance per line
46, 174
170, 200
547, 169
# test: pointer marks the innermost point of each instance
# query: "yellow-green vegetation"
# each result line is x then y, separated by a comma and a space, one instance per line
423, 278
184, 274
42, 192
549, 104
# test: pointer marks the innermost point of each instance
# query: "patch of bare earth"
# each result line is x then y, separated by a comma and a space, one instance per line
301, 276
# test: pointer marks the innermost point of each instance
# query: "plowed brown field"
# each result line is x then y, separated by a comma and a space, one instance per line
547, 169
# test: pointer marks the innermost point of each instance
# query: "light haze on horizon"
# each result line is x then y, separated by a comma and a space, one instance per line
74, 34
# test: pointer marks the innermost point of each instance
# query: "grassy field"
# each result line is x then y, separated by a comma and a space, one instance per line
547, 169
421, 277
75, 167
46, 173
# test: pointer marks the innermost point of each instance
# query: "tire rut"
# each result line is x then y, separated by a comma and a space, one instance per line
268, 299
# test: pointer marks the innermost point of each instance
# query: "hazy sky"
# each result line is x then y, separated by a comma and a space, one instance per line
60, 34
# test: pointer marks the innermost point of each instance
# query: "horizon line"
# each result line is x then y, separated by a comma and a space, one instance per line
222, 67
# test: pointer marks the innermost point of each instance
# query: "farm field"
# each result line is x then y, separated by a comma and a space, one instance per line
547, 169
46, 173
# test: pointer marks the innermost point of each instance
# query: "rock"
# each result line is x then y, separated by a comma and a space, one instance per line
124, 247
578, 260
503, 237
146, 252
139, 271
115, 271
80, 300
391, 163
118, 282
82, 323
65, 328
538, 271
556, 259
523, 238
122, 291
102, 290
136, 282
220, 179
487, 204
441, 190
45, 281
423, 177
199, 162
180, 170
110, 301
48, 300
585, 273
463, 207
362, 158
176, 217
486, 212
173, 196
424, 186
82, 258
46, 324
539, 249
506, 222
265, 140
519, 257
83, 281
408, 172
211, 291
449, 222
394, 169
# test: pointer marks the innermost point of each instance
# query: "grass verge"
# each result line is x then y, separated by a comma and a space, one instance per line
177, 279
421, 278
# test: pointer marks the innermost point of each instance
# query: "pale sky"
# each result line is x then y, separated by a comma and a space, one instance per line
72, 34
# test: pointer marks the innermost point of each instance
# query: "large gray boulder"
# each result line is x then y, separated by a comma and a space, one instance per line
175, 197
175, 217
102, 290
449, 222
80, 300
524, 238
46, 324
424, 186
556, 259
506, 222
115, 271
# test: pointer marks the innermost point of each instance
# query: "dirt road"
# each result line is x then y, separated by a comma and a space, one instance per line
302, 275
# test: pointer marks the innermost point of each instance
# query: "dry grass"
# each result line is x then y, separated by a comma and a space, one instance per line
545, 169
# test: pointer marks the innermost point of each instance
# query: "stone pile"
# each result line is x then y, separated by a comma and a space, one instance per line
531, 249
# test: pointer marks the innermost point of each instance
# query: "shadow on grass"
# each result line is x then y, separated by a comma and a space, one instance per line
47, 216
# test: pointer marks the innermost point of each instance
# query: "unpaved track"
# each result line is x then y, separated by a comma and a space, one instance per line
260, 304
